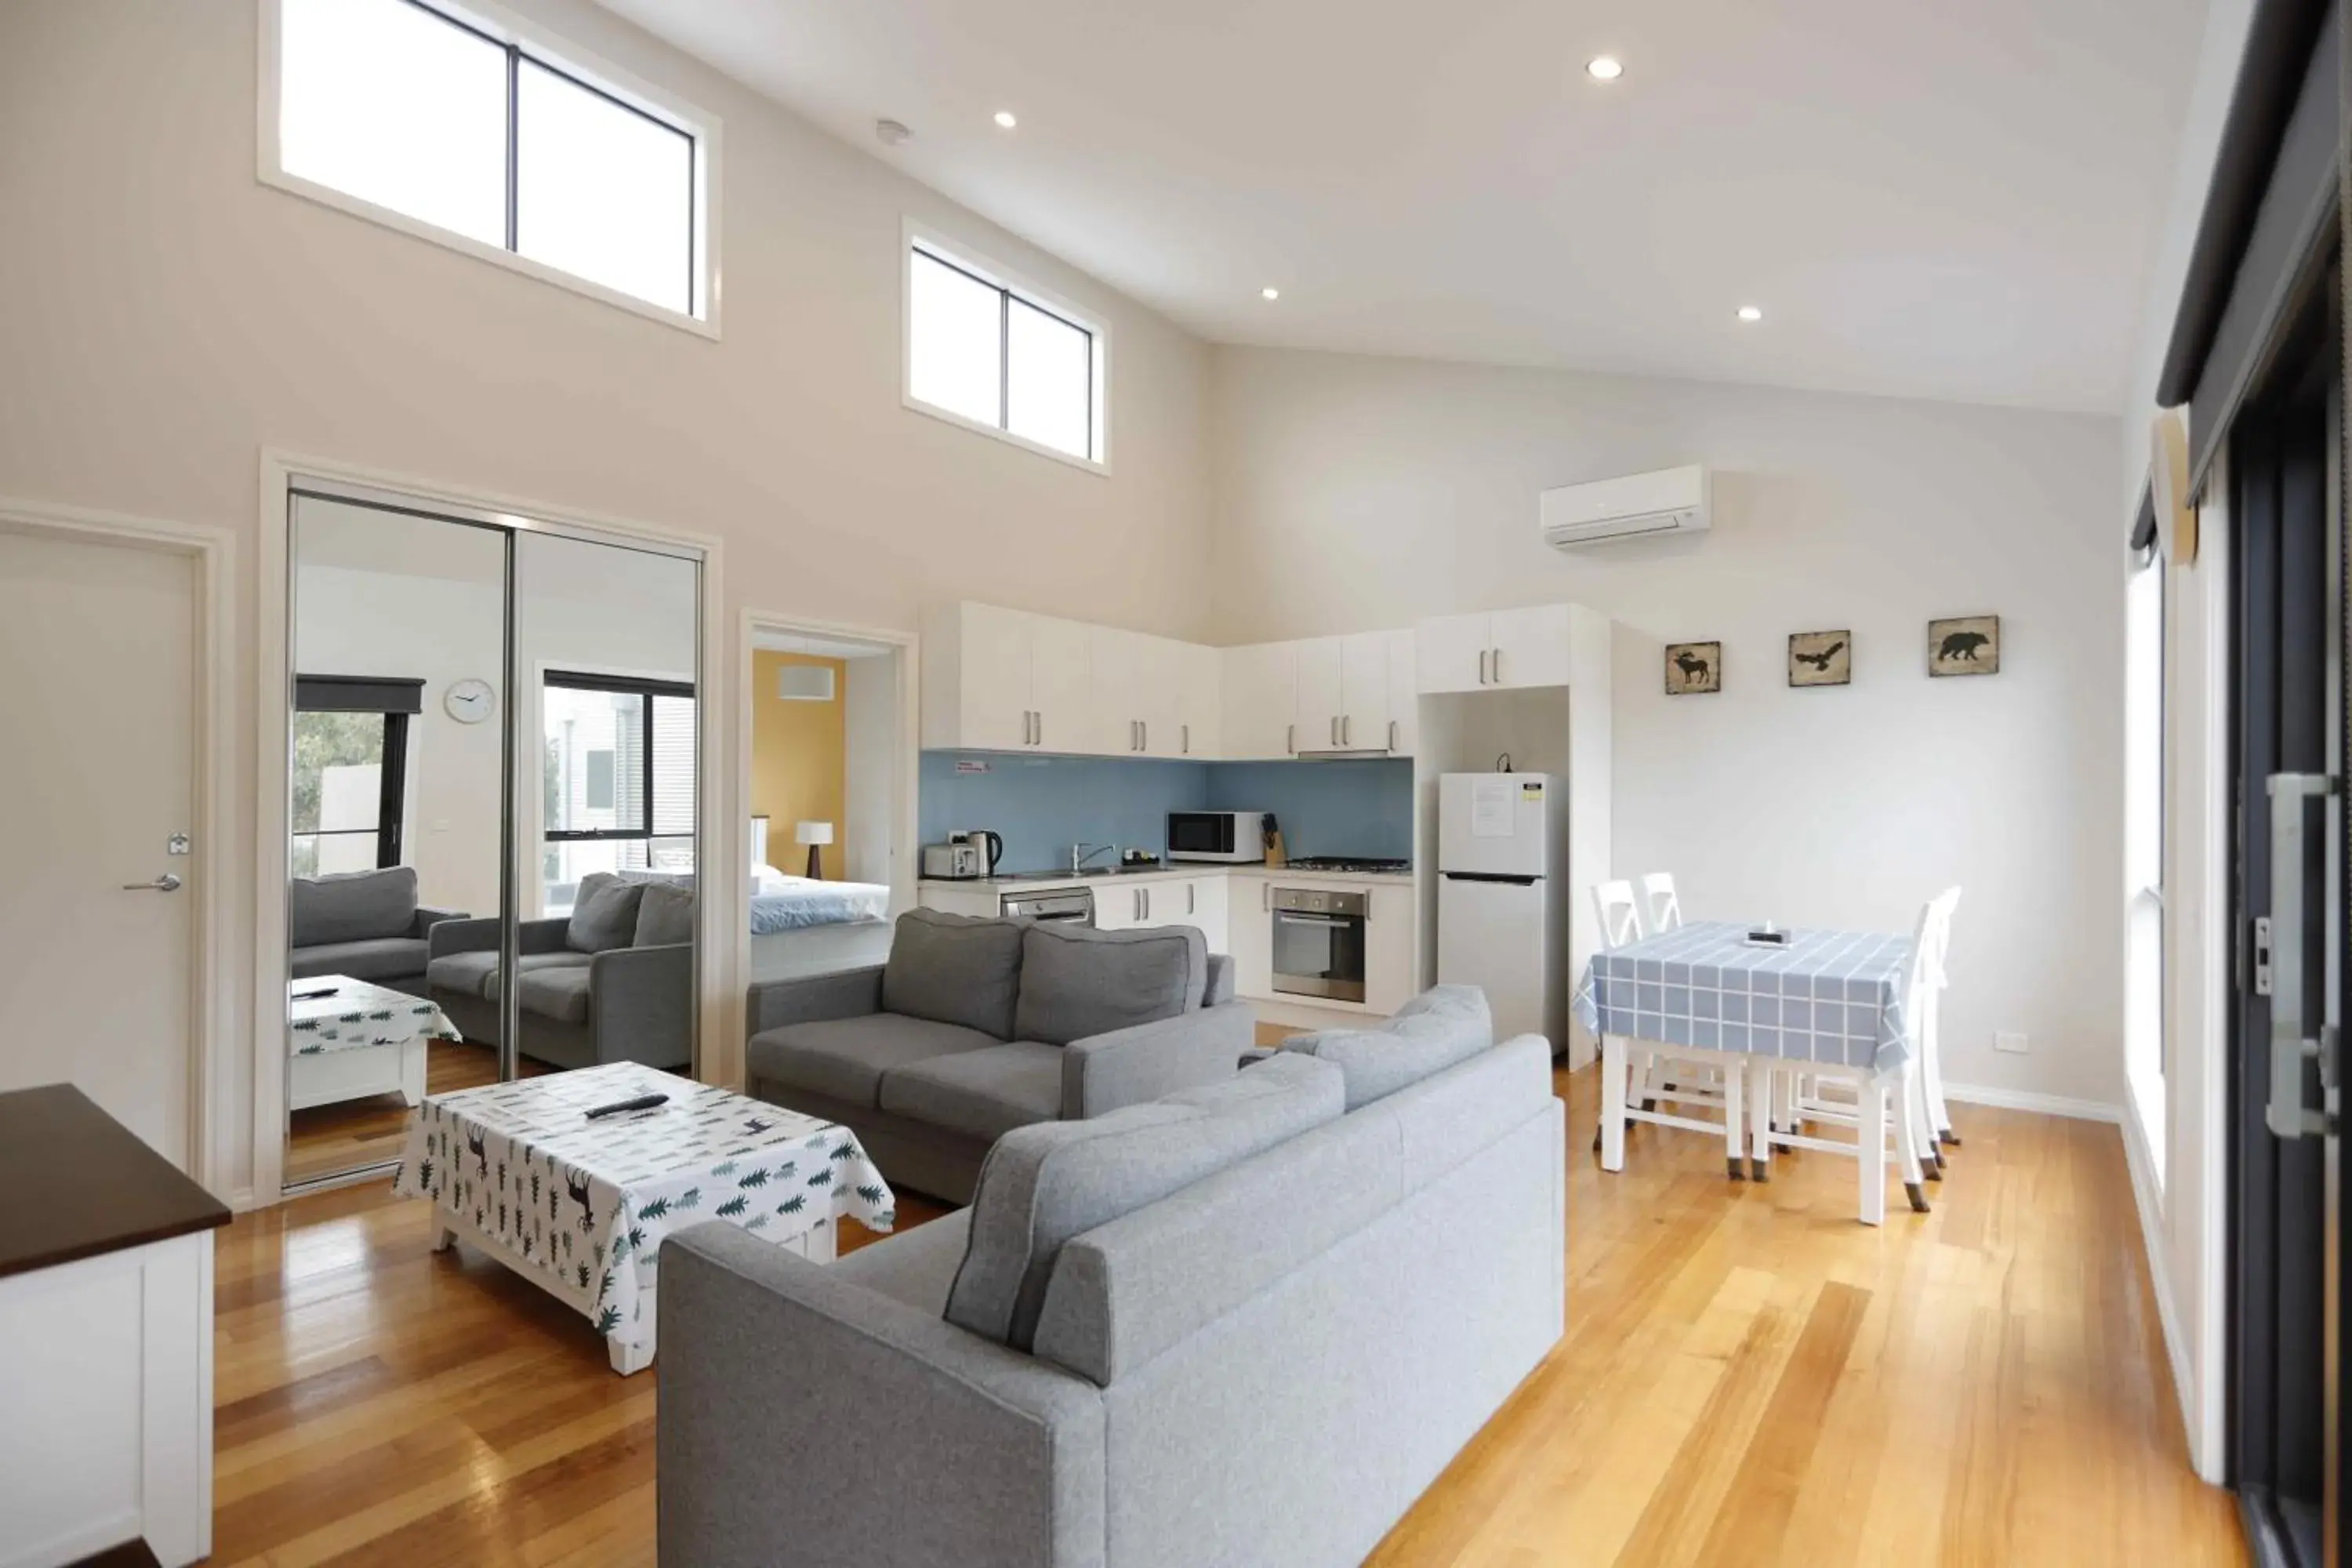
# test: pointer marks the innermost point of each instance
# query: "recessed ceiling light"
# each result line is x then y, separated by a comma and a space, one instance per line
1006, 118
1604, 67
1269, 293
1751, 312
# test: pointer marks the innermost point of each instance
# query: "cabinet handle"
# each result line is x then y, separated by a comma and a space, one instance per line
1041, 726
1499, 666
1347, 728
1290, 739
1147, 901
1185, 738
1144, 725
1192, 897
1481, 666
1264, 895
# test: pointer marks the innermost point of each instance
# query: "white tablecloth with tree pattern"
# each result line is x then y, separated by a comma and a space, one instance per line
581, 1206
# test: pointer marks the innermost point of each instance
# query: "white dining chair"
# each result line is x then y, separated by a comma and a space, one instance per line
1620, 913
1644, 1074
1662, 910
1885, 1107
1929, 1030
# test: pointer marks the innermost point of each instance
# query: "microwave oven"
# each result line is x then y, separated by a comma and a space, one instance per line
1236, 836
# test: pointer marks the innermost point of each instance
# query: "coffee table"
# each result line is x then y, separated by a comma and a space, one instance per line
580, 1207
356, 1041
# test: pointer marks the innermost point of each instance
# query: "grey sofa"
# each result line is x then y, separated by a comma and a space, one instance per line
366, 925
1245, 1325
613, 980
977, 1026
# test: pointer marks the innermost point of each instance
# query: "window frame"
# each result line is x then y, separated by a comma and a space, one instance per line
525, 40
630, 686
391, 789
914, 236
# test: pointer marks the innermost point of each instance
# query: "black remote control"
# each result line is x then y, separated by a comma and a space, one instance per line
623, 1106
314, 995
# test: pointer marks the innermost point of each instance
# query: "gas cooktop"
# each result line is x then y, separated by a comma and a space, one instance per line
1350, 863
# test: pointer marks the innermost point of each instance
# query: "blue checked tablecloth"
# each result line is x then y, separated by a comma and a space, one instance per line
1829, 996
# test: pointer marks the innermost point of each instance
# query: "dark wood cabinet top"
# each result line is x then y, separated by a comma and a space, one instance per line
78, 1182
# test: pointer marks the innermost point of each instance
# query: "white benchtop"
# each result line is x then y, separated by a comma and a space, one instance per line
1035, 882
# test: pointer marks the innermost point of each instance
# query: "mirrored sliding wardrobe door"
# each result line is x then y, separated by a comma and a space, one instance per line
607, 670
398, 714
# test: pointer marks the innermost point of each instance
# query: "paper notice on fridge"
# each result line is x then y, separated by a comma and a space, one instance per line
1490, 808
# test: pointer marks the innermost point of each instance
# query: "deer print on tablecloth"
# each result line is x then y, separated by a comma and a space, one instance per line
576, 1183
478, 1145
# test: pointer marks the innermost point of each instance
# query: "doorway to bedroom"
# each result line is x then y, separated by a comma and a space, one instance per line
828, 766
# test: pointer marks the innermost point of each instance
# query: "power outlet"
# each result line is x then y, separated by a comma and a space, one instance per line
2006, 1040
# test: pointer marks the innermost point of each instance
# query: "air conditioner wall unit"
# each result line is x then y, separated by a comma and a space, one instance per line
1638, 506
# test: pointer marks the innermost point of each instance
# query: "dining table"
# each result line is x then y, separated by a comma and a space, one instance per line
1724, 993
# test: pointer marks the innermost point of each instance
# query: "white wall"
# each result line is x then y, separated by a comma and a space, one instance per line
871, 745
1355, 493
164, 316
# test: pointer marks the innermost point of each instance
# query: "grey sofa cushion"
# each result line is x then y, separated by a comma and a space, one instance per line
1076, 981
352, 906
664, 916
557, 991
985, 1093
603, 914
1044, 1184
475, 973
844, 1059
1443, 1026
915, 1266
954, 969
373, 958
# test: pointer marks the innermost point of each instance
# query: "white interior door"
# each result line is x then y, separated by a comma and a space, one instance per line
96, 986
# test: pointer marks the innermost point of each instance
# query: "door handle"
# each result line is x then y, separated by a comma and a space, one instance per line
169, 882
2288, 1115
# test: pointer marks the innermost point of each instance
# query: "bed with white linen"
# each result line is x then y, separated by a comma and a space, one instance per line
782, 902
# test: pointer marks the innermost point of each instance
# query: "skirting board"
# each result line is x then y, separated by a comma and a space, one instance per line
2026, 1100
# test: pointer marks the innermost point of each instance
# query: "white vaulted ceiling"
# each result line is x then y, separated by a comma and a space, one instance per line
1943, 198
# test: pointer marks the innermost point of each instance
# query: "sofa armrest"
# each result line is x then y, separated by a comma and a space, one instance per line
1130, 1066
801, 1412
463, 935
1220, 987
814, 999
427, 917
641, 1004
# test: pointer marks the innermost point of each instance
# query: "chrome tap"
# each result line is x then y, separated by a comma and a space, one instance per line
1082, 853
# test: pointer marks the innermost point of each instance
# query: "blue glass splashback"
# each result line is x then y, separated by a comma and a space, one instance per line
1043, 804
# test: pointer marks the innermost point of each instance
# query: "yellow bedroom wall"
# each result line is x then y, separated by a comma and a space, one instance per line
798, 764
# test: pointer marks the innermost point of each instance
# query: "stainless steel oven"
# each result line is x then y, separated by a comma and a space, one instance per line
1318, 942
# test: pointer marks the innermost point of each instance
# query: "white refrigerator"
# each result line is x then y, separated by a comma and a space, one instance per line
1502, 897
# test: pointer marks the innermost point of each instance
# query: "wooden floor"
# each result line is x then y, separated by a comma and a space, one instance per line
351, 1134
1749, 1378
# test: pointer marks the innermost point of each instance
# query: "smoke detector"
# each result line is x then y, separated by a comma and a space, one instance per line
891, 132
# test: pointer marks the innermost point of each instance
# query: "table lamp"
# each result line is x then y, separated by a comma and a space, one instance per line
814, 834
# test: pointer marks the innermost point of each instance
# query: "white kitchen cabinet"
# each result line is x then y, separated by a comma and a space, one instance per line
1061, 684
1532, 646
1388, 961
1261, 701
1450, 653
1404, 699
1005, 681
1200, 701
1249, 935
981, 903
976, 679
1207, 904
1322, 693
1506, 650
1137, 703
1364, 691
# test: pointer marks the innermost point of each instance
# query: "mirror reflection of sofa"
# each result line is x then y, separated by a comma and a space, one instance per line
363, 925
613, 980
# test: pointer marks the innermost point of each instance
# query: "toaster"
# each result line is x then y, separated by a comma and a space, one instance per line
954, 862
